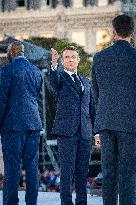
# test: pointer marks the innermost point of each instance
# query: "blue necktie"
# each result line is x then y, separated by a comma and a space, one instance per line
77, 82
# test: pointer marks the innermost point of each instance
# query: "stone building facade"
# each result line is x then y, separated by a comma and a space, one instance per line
87, 22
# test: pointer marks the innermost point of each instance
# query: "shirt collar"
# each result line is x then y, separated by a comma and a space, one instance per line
122, 42
19, 57
69, 72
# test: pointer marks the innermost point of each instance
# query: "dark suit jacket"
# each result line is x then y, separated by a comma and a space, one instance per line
19, 90
114, 88
72, 109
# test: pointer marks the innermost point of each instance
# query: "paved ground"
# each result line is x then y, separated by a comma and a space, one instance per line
46, 198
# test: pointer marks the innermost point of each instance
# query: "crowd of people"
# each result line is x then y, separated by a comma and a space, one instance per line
49, 181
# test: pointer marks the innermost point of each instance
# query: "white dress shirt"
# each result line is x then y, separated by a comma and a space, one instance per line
70, 73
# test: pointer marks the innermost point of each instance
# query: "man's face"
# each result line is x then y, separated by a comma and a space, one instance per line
70, 60
15, 50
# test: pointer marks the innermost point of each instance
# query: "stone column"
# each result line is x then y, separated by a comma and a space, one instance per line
91, 41
77, 3
60, 2
102, 2
68, 35
43, 3
59, 30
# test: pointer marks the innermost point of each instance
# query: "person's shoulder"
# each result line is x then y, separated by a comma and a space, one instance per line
19, 62
132, 55
62, 73
6, 66
34, 67
85, 78
133, 50
103, 53
6, 69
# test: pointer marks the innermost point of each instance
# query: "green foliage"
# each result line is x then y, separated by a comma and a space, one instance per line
59, 45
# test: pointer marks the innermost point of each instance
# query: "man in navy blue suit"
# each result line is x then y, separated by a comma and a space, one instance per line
114, 89
72, 124
20, 124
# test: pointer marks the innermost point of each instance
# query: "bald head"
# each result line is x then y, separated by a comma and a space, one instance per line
15, 49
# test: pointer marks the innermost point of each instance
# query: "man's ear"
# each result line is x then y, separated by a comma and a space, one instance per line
78, 59
114, 35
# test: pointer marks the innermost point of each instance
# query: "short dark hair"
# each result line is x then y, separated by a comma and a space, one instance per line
70, 48
123, 25
17, 46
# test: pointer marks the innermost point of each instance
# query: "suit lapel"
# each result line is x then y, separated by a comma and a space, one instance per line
70, 81
83, 80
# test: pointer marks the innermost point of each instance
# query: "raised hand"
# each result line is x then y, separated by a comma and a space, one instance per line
55, 57
97, 140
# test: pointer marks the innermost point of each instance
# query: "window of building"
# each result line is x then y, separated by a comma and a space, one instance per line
66, 3
48, 2
20, 3
111, 1
128, 2
54, 3
90, 2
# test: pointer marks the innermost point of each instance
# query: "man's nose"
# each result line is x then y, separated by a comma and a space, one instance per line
71, 59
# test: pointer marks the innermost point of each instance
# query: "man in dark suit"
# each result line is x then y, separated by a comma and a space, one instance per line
114, 90
73, 123
20, 124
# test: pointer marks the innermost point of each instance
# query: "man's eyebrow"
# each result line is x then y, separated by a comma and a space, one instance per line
69, 55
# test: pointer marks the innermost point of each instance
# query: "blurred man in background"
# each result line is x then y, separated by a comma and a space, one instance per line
20, 124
